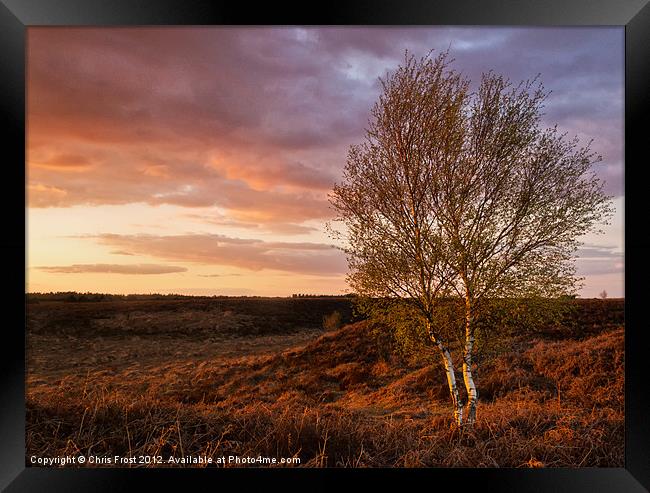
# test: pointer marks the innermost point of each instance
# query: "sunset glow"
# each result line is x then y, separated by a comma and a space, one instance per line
198, 160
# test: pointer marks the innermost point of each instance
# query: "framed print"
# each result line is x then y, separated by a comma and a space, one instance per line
396, 240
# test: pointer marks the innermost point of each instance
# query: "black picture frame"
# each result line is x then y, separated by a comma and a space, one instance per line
17, 15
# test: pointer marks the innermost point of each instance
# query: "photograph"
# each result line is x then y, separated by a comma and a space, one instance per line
325, 246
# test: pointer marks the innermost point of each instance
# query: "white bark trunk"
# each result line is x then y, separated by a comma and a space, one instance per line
472, 393
451, 380
451, 375
470, 386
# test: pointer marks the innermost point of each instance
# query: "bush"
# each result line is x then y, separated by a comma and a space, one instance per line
333, 321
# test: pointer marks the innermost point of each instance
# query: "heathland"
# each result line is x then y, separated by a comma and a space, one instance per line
302, 377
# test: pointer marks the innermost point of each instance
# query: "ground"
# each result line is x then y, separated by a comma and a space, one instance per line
217, 377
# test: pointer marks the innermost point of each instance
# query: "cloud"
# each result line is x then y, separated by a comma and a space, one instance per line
219, 219
251, 254
597, 259
120, 252
64, 162
590, 267
219, 275
289, 228
40, 195
598, 251
113, 269
254, 117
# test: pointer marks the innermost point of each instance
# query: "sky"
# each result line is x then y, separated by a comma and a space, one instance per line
198, 160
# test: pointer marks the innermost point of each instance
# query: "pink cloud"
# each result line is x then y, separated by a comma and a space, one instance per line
257, 121
112, 269
176, 116
252, 254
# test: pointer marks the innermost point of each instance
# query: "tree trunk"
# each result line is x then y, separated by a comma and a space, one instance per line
451, 380
451, 375
470, 386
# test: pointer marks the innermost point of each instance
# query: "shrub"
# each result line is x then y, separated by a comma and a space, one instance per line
333, 321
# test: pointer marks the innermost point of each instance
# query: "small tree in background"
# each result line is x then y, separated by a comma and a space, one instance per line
463, 195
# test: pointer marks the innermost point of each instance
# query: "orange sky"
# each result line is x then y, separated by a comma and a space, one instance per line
198, 160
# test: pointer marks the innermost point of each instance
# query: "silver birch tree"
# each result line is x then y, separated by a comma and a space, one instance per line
462, 194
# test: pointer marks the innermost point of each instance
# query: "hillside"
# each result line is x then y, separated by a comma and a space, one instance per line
330, 398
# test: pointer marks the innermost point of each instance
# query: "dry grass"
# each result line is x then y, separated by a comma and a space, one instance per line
331, 399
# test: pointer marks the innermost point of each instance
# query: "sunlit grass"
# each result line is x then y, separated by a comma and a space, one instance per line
332, 400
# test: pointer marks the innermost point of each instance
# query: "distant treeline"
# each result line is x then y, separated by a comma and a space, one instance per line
75, 297
302, 295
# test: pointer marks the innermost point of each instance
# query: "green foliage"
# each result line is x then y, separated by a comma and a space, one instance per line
399, 329
510, 316
463, 193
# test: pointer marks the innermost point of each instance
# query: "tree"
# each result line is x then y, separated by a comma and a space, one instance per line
462, 194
